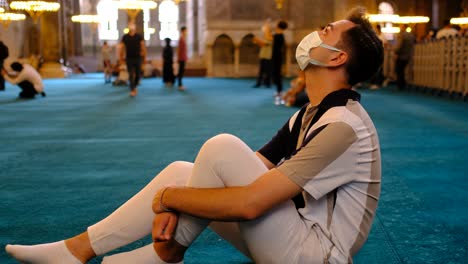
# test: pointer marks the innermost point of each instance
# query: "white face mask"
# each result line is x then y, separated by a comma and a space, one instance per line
309, 42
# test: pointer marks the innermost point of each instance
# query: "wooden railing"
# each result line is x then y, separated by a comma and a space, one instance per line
438, 65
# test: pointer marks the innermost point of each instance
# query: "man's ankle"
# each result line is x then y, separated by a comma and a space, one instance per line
80, 247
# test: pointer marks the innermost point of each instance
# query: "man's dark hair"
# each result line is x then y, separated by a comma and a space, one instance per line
282, 25
16, 66
365, 49
183, 28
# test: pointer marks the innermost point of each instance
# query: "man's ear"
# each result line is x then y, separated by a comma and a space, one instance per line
338, 59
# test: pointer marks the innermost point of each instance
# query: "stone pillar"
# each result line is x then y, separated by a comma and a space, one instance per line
236, 59
50, 46
209, 60
288, 60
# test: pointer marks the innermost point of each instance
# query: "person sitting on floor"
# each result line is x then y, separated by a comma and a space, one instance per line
296, 95
27, 78
122, 78
309, 195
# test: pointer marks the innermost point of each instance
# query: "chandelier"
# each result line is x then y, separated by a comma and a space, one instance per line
35, 8
382, 18
279, 4
85, 19
133, 7
7, 18
459, 21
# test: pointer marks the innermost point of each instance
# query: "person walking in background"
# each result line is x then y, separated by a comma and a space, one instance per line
168, 70
134, 52
106, 62
3, 55
181, 57
265, 43
403, 53
27, 78
377, 80
279, 46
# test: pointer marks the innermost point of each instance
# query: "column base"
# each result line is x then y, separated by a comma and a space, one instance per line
54, 70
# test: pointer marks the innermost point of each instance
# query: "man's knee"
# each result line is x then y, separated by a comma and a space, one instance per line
221, 142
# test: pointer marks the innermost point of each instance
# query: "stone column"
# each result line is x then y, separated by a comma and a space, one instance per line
209, 60
236, 59
50, 46
288, 60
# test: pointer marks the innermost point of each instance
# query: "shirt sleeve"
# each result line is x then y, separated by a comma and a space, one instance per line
276, 148
320, 166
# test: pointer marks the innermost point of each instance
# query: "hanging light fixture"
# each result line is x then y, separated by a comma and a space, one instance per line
382, 18
6, 18
459, 20
279, 4
411, 20
35, 8
133, 7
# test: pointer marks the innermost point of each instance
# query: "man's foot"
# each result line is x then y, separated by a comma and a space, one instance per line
374, 87
133, 92
181, 88
51, 253
145, 254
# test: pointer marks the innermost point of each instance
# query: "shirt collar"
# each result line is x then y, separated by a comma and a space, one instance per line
337, 98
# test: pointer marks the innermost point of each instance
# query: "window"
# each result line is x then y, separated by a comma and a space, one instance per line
108, 13
169, 18
387, 9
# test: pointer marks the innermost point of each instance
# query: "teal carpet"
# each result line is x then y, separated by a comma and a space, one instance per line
69, 159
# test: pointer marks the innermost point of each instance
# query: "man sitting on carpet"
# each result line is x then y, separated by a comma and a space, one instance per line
327, 154
27, 78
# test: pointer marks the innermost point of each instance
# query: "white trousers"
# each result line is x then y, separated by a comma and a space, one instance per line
223, 161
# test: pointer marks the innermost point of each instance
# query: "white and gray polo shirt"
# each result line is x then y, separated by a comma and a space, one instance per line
336, 160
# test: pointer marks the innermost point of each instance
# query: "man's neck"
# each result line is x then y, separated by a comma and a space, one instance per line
323, 82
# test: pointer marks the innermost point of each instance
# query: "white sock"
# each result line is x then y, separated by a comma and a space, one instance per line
143, 255
51, 253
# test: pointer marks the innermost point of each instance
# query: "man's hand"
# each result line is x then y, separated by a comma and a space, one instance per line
164, 225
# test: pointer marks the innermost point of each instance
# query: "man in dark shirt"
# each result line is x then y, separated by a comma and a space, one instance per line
404, 53
134, 52
277, 58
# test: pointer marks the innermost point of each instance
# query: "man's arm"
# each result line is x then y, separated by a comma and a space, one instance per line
143, 50
121, 51
12, 78
231, 203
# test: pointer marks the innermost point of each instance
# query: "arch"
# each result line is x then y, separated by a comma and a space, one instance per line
108, 15
223, 50
387, 8
248, 50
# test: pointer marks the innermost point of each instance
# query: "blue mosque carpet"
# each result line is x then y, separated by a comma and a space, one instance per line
71, 158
